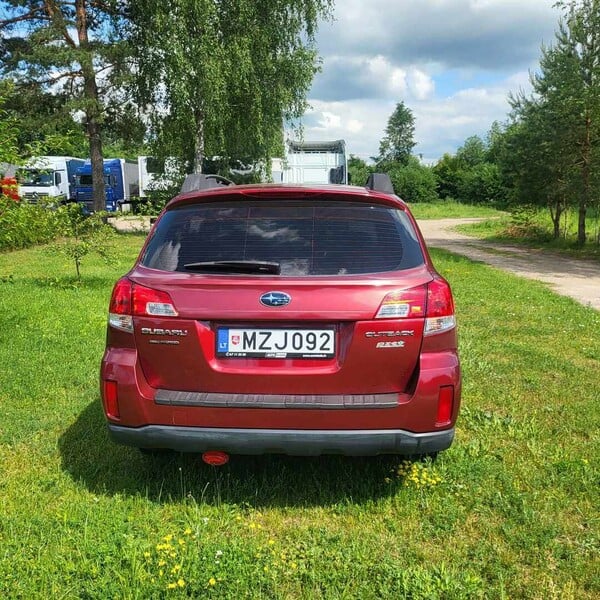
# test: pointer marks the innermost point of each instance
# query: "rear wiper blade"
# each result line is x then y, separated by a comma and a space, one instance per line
259, 267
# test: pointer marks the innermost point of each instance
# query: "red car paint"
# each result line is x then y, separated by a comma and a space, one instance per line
165, 385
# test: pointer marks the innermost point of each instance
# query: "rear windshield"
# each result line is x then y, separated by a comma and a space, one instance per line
316, 238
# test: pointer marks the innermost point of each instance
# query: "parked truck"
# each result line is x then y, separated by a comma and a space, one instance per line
121, 183
312, 162
50, 177
156, 174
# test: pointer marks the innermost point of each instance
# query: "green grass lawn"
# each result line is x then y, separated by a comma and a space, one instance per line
449, 209
510, 511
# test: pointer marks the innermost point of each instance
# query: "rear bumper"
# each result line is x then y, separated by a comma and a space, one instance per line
283, 441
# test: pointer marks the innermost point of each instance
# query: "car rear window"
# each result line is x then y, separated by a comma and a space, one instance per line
305, 238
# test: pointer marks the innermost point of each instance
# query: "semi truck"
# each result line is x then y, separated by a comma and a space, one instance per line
312, 162
121, 182
48, 176
156, 174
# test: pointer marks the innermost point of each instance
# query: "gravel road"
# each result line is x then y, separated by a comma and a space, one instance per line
577, 278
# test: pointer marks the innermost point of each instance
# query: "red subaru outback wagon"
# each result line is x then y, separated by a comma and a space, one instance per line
283, 319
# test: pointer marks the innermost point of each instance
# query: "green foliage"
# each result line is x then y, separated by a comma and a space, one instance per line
481, 184
358, 171
398, 141
23, 224
448, 172
470, 176
9, 135
44, 122
472, 153
80, 234
413, 182
560, 121
220, 78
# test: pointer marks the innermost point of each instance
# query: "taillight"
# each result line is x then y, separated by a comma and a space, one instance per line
153, 303
119, 311
402, 303
439, 316
129, 300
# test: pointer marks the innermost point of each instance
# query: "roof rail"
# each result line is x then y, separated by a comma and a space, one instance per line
380, 182
200, 181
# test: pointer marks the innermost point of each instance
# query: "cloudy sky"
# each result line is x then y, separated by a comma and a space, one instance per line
452, 62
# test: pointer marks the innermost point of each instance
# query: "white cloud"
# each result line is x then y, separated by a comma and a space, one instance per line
452, 62
421, 85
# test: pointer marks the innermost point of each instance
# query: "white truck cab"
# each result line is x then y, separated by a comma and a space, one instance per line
48, 176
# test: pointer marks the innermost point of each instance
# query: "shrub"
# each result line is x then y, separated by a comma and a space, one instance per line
23, 224
82, 234
413, 182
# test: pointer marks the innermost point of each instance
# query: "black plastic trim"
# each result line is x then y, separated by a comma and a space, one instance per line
176, 398
283, 441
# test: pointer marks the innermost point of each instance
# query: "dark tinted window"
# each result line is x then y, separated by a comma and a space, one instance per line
316, 238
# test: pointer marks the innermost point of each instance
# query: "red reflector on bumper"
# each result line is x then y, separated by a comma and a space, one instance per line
111, 400
216, 458
445, 405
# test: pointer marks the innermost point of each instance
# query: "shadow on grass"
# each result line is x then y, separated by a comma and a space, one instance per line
90, 457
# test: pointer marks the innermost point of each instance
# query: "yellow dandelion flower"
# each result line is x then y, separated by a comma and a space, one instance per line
146, 554
181, 542
171, 586
271, 542
266, 569
162, 563
180, 582
293, 565
187, 531
212, 581
168, 538
252, 525
176, 569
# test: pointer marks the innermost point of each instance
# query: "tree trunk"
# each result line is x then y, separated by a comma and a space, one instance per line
585, 176
93, 111
555, 215
199, 142
98, 194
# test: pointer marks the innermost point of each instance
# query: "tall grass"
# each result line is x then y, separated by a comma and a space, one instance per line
533, 227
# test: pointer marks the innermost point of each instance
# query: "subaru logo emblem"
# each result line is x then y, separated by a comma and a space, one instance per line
275, 299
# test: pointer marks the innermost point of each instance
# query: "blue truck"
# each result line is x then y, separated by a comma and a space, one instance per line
121, 182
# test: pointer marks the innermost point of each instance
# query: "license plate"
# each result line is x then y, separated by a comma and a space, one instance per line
275, 343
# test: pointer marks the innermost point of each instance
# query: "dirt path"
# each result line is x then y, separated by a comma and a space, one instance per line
576, 278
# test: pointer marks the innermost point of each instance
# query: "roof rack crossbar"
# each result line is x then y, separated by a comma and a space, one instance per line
200, 181
380, 182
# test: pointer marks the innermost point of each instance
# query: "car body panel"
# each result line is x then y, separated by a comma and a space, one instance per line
387, 359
